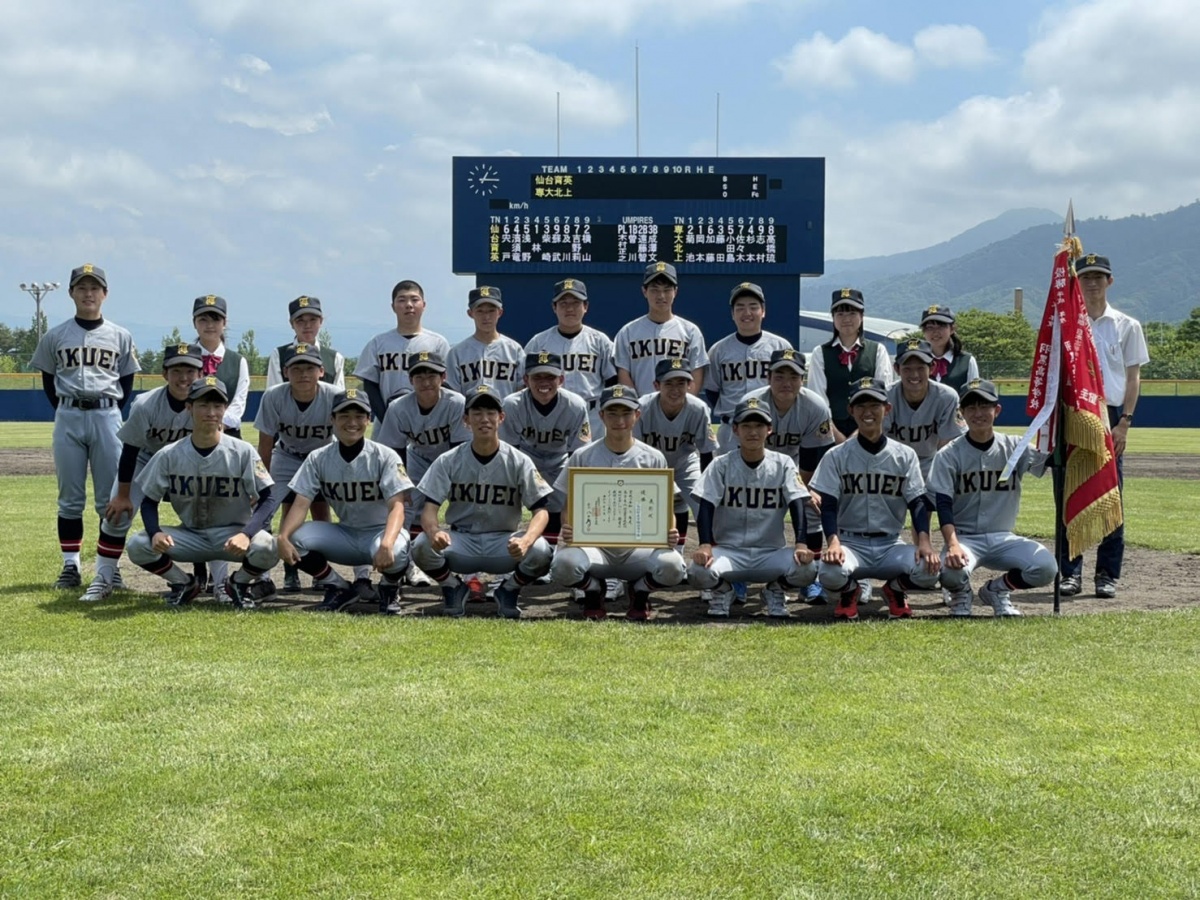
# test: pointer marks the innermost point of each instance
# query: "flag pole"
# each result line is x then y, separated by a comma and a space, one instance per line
1059, 463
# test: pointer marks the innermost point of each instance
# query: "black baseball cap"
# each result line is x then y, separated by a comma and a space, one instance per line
483, 395
977, 387
209, 384
301, 353
787, 359
485, 293
751, 408
304, 305
619, 395
672, 368
543, 361
660, 270
210, 303
351, 399
426, 360
183, 355
1093, 263
921, 349
848, 297
747, 289
87, 270
570, 286
937, 313
868, 389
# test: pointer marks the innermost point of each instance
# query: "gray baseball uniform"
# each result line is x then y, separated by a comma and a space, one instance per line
386, 357
640, 344
337, 377
549, 437
681, 440
500, 364
358, 490
736, 367
588, 363
936, 419
299, 429
806, 426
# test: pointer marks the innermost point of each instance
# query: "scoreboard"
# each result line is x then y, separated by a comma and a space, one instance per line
582, 216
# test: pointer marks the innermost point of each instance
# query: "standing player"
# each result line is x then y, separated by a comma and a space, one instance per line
366, 484
952, 366
221, 492
547, 423
743, 498
306, 320
587, 354
157, 418
383, 364
978, 511
486, 357
660, 334
738, 363
923, 414
486, 484
87, 367
210, 315
866, 486
587, 567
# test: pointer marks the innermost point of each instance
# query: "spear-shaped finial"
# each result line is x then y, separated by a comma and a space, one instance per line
1071, 243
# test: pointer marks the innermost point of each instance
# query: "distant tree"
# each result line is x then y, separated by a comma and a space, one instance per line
173, 338
1001, 344
1189, 331
249, 351
325, 337
351, 364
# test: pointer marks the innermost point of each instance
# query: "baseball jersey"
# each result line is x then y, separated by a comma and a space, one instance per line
87, 363
546, 439
587, 358
680, 439
597, 455
357, 490
213, 491
427, 434
298, 431
807, 424
500, 364
152, 423
936, 419
735, 368
484, 496
386, 357
640, 344
750, 502
873, 489
970, 475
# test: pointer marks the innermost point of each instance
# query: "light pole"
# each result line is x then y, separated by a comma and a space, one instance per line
38, 290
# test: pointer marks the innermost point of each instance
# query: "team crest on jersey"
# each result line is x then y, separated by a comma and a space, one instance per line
401, 471
826, 427
260, 469
586, 431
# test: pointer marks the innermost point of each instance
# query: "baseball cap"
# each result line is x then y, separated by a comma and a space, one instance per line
660, 270
304, 305
301, 353
938, 313
209, 384
619, 395
923, 350
751, 408
851, 297
569, 286
484, 294
868, 389
786, 359
210, 303
87, 270
537, 363
1089, 263
483, 395
183, 355
426, 360
747, 288
672, 368
351, 399
979, 388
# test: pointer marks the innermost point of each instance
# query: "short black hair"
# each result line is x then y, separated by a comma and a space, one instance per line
407, 285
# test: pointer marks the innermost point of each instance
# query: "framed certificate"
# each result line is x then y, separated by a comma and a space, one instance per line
620, 507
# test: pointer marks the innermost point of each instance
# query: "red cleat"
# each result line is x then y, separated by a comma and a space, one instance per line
897, 601
847, 607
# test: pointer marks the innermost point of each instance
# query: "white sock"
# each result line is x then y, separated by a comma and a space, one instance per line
176, 575
71, 558
362, 572
106, 567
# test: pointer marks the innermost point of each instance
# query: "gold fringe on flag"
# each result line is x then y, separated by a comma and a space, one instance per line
1086, 432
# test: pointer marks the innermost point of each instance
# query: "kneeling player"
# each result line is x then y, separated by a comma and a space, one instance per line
486, 482
866, 486
978, 511
743, 497
366, 484
220, 489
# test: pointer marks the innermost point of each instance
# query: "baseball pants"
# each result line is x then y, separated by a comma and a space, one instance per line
349, 546
572, 564
83, 437
1001, 552
204, 545
487, 552
749, 565
875, 557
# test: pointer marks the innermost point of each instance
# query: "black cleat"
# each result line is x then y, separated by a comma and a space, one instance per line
183, 594
336, 599
242, 595
389, 599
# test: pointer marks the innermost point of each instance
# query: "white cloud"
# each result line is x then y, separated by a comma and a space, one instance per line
952, 47
821, 62
253, 64
289, 124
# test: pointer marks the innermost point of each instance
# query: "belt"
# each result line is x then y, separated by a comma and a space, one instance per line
865, 534
87, 402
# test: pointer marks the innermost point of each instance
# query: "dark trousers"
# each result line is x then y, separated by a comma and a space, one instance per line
1111, 551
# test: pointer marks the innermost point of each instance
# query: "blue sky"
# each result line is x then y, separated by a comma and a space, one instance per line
261, 150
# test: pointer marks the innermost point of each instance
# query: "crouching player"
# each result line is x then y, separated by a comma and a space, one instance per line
867, 485
220, 489
366, 485
978, 511
486, 482
743, 497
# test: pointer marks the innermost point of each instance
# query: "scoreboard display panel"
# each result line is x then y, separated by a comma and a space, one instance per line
743, 217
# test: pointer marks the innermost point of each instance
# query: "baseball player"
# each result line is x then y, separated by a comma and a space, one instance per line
383, 363
587, 354
366, 484
660, 334
210, 315
221, 492
87, 366
739, 362
304, 315
644, 568
486, 357
865, 486
743, 498
676, 423
924, 414
547, 423
298, 416
156, 418
486, 483
978, 512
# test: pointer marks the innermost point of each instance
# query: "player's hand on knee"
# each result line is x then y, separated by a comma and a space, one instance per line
956, 556
287, 551
384, 558
803, 556
928, 558
703, 555
117, 509
161, 542
833, 553
440, 540
518, 546
237, 545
